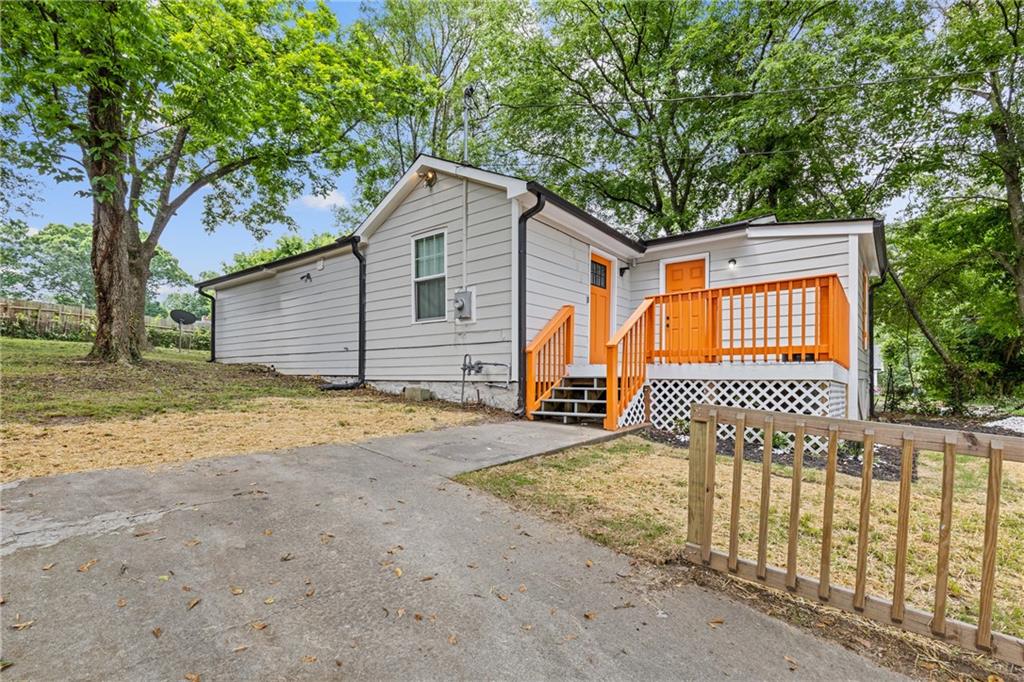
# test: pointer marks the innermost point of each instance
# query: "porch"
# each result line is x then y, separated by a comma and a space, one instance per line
779, 345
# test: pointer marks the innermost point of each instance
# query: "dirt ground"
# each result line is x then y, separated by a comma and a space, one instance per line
262, 424
632, 495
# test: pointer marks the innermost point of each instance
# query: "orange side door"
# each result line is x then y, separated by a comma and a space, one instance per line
600, 307
683, 326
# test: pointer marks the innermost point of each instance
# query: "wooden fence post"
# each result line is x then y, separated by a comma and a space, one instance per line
696, 481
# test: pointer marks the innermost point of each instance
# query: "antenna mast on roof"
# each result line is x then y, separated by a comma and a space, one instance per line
467, 102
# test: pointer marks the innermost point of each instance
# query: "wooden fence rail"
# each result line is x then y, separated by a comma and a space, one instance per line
55, 317
908, 439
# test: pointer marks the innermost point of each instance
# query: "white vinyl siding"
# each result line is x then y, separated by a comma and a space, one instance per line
559, 274
400, 349
296, 326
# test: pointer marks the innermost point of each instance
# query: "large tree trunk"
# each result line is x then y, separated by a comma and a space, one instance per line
117, 315
115, 238
139, 268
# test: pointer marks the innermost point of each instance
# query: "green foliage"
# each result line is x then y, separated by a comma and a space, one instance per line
286, 245
55, 262
190, 301
630, 108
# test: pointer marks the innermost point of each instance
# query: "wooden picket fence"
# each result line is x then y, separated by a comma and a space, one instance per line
50, 318
705, 420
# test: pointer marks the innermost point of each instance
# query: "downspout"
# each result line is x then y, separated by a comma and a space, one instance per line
521, 287
213, 325
361, 369
884, 267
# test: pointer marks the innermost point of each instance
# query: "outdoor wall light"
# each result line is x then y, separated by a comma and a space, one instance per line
732, 263
429, 176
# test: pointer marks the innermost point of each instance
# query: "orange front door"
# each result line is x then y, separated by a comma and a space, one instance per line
600, 307
686, 276
683, 317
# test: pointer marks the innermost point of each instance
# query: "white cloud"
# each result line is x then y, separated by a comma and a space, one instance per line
333, 199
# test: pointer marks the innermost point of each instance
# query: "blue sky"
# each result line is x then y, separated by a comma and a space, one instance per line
196, 250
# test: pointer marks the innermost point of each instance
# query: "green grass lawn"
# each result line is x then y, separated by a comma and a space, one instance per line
632, 494
48, 381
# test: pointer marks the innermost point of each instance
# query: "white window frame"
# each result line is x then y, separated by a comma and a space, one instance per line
414, 280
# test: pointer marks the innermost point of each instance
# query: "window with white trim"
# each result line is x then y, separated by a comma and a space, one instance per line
429, 285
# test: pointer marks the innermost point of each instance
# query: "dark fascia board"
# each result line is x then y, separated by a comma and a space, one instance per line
327, 248
696, 234
578, 212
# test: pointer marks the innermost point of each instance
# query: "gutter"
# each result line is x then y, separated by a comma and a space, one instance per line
361, 370
883, 266
521, 287
213, 324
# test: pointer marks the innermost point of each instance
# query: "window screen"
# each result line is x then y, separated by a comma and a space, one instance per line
598, 274
429, 277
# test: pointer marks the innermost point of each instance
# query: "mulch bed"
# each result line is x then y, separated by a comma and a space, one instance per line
849, 460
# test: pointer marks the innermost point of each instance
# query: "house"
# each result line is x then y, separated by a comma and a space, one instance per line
486, 287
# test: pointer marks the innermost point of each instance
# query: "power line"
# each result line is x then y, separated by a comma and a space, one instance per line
859, 85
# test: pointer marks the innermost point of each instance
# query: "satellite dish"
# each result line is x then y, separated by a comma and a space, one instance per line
183, 317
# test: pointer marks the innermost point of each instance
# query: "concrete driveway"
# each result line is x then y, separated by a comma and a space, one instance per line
360, 561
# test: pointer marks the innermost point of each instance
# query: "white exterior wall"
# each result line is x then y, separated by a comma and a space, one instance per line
400, 349
757, 260
558, 274
298, 327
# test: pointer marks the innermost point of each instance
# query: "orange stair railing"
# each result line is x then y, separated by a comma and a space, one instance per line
628, 354
548, 357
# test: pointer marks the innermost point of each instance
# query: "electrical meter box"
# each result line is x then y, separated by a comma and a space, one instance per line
463, 304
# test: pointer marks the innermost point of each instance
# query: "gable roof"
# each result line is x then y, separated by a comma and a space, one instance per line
519, 189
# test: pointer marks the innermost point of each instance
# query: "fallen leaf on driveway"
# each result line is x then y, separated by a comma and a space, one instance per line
192, 604
793, 665
268, 532
527, 626
398, 572
590, 563
192, 677
522, 588
570, 637
84, 568
47, 567
268, 601
453, 640
236, 590
165, 578
309, 659
426, 578
325, 538
143, 533
417, 616
310, 592
715, 622
287, 557
240, 648
258, 625
590, 615
22, 625
157, 632
502, 597
122, 602
193, 542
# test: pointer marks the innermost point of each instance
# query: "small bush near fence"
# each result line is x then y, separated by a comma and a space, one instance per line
55, 322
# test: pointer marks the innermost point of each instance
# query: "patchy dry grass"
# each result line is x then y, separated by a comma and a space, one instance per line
632, 495
62, 415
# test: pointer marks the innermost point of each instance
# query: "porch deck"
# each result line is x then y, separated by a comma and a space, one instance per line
792, 331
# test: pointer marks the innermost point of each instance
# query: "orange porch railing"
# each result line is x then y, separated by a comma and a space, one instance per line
628, 354
548, 357
791, 320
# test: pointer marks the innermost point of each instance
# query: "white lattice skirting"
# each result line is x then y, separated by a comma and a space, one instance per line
634, 413
671, 400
